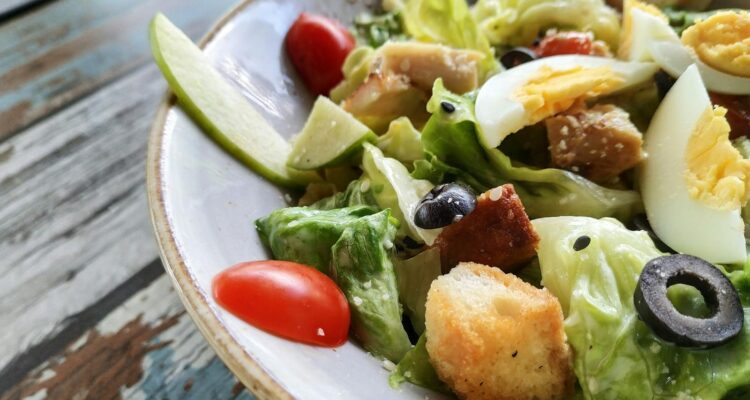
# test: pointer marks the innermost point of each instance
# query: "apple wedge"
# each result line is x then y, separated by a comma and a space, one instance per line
219, 109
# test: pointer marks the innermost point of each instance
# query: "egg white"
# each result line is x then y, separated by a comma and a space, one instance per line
645, 29
684, 224
500, 115
675, 58
654, 40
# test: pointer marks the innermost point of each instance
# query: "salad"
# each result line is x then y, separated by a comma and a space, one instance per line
514, 199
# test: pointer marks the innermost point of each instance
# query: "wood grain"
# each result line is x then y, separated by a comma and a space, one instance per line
146, 349
65, 49
73, 220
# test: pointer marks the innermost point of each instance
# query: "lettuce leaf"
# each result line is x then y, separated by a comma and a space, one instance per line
375, 30
356, 194
414, 276
351, 245
401, 141
617, 356
450, 139
518, 22
356, 68
416, 368
448, 22
394, 188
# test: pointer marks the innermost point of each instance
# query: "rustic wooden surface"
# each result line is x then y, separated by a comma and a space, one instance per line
86, 310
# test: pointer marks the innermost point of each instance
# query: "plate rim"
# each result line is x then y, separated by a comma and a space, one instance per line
234, 356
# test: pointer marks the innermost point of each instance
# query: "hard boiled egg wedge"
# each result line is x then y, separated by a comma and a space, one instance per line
694, 182
531, 92
641, 25
718, 45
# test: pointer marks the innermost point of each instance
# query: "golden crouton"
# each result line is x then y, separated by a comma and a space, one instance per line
497, 233
492, 336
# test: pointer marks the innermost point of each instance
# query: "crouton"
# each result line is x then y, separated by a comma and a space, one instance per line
598, 143
497, 233
490, 335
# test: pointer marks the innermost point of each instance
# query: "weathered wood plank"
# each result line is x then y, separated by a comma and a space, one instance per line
146, 349
65, 49
73, 217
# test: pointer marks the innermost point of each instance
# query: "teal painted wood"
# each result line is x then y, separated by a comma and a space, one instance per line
65, 49
148, 348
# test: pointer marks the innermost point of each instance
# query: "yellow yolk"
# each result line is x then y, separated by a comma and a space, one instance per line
550, 91
717, 174
626, 35
722, 41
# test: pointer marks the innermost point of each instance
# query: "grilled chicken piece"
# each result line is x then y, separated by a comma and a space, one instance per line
422, 63
598, 143
385, 97
401, 81
497, 233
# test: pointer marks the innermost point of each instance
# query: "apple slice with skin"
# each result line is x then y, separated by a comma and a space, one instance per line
219, 109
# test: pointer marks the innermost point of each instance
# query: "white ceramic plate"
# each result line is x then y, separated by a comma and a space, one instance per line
203, 204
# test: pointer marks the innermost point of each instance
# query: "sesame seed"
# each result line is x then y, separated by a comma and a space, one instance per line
496, 193
321, 332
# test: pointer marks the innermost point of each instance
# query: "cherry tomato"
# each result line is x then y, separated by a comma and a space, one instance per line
287, 299
738, 112
318, 47
560, 43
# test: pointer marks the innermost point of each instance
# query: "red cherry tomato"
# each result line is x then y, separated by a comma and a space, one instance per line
561, 43
318, 47
738, 112
287, 299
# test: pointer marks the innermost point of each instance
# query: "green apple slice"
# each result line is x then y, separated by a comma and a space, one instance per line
328, 138
220, 110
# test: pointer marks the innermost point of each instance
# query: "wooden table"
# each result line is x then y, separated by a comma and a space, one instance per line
86, 310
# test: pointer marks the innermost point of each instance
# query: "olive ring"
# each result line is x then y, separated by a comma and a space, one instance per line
726, 316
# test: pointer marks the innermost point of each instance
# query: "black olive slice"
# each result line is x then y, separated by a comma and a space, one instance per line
444, 205
726, 315
517, 56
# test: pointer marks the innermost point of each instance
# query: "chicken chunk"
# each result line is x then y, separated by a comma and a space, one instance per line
492, 336
498, 233
401, 79
422, 63
385, 97
598, 143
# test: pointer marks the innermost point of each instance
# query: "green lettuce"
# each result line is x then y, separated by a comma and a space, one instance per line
417, 369
519, 22
353, 246
375, 30
453, 150
683, 19
394, 188
616, 355
448, 22
414, 276
357, 193
356, 69
401, 141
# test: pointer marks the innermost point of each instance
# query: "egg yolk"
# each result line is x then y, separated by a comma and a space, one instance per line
551, 91
626, 37
722, 41
717, 175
